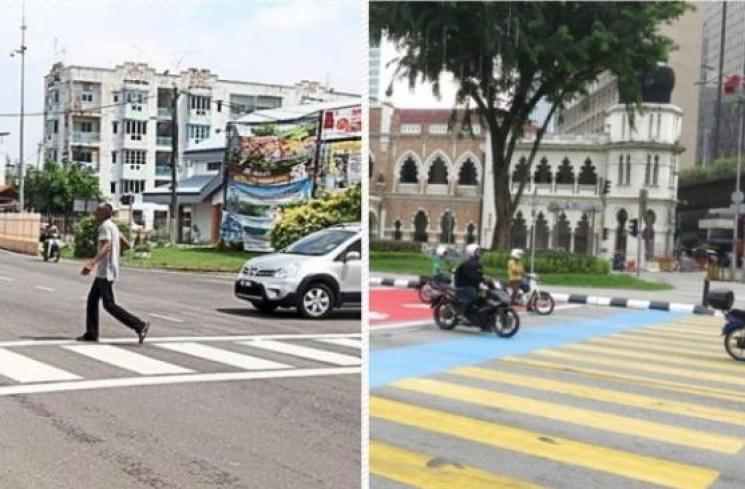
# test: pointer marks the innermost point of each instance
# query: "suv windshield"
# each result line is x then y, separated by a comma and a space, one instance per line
319, 243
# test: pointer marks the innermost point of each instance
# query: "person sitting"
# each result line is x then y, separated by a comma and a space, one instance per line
515, 271
468, 277
440, 271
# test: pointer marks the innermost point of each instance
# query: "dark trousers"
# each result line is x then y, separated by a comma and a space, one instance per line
102, 289
468, 296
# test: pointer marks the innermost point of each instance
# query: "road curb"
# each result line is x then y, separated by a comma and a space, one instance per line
618, 302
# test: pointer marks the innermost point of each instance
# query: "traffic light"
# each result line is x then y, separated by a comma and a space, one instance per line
606, 187
634, 227
606, 232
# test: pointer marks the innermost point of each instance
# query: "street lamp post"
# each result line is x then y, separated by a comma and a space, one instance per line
737, 196
22, 52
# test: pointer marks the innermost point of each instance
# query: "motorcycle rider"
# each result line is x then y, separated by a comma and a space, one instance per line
51, 241
468, 277
515, 272
440, 271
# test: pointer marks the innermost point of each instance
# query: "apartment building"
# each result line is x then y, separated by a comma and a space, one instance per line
117, 122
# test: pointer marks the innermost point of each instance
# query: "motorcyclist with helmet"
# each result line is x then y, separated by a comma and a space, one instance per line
51, 242
440, 269
468, 277
515, 272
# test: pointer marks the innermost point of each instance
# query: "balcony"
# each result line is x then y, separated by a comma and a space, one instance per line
165, 141
437, 188
162, 170
467, 191
164, 113
86, 137
90, 167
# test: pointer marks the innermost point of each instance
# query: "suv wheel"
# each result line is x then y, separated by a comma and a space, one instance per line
315, 301
263, 306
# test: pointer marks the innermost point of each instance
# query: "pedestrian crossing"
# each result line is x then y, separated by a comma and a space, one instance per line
166, 359
657, 406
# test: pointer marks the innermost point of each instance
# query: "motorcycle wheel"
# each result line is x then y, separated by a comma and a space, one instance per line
734, 343
446, 315
425, 293
543, 304
507, 324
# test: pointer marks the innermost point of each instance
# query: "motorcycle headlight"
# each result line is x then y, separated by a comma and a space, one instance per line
288, 271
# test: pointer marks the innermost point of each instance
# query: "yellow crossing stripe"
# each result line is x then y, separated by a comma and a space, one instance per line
582, 417
417, 470
686, 335
617, 462
657, 383
659, 348
722, 364
640, 401
644, 367
651, 336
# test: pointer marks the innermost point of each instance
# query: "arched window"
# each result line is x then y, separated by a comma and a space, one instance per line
628, 170
420, 227
397, 235
521, 171
519, 231
543, 172
563, 233
373, 225
409, 171
656, 170
582, 236
438, 172
565, 175
370, 161
647, 170
471, 233
468, 174
447, 228
620, 169
541, 232
587, 175
621, 217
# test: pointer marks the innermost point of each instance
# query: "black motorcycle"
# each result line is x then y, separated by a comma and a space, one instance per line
51, 247
491, 312
734, 327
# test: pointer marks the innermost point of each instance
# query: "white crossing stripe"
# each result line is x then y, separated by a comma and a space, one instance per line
304, 352
219, 355
127, 360
24, 369
45, 289
348, 342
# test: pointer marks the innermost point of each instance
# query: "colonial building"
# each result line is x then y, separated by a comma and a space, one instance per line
430, 184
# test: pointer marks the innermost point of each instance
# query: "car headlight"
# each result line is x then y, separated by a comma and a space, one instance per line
287, 272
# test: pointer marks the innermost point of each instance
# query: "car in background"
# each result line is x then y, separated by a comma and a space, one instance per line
315, 275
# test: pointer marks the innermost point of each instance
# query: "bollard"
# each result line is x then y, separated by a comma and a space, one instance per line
705, 299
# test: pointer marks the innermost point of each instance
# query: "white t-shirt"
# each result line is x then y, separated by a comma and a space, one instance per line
108, 268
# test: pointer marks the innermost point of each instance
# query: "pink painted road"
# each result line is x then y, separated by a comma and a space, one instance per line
390, 306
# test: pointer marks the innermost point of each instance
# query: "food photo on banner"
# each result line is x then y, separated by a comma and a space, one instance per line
340, 160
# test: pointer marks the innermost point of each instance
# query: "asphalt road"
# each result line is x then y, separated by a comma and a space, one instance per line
220, 396
588, 397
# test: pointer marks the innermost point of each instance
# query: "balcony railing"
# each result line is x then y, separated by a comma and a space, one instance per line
164, 113
162, 170
86, 137
165, 141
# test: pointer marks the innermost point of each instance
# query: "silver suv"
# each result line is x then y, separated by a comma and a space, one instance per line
315, 274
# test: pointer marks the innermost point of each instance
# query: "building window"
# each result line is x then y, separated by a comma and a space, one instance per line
628, 170
197, 132
115, 97
214, 166
86, 97
659, 125
656, 170
82, 155
199, 104
86, 127
411, 129
219, 105
113, 157
136, 129
134, 157
56, 126
623, 126
115, 127
56, 96
113, 187
438, 128
647, 170
620, 169
133, 186
476, 129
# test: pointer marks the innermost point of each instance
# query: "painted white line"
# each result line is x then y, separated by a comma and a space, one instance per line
226, 357
13, 390
304, 352
128, 360
350, 343
417, 306
6, 279
166, 318
46, 289
176, 339
377, 316
400, 325
24, 369
637, 304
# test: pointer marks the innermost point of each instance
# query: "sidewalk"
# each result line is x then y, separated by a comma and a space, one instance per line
688, 287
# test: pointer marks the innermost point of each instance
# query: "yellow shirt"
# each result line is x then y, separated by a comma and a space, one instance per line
515, 270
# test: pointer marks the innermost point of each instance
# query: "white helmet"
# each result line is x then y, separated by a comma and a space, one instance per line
472, 250
517, 254
441, 251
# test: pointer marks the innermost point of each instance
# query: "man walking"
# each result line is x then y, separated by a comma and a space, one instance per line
106, 262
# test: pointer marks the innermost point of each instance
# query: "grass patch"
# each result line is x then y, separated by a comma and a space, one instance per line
190, 259
419, 264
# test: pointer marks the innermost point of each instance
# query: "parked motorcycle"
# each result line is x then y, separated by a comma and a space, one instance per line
491, 311
734, 327
533, 298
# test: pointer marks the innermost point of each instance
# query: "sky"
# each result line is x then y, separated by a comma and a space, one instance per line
271, 41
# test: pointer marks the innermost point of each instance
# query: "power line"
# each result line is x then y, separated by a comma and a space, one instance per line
77, 111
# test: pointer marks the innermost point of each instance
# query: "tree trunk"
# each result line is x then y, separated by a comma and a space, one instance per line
502, 210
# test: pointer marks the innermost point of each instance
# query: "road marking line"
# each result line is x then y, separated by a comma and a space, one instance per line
304, 352
657, 383
657, 348
377, 316
128, 360
416, 470
686, 329
178, 339
6, 279
400, 325
617, 462
686, 335
600, 394
651, 336
45, 289
167, 318
417, 306
644, 367
226, 357
13, 390
350, 343
721, 364
598, 420
24, 369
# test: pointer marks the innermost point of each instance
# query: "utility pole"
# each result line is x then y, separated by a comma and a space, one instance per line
533, 204
174, 155
723, 31
22, 52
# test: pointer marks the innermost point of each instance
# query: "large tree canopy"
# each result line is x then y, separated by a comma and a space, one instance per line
53, 189
506, 57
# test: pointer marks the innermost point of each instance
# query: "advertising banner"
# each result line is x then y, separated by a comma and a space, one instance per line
340, 164
269, 166
342, 123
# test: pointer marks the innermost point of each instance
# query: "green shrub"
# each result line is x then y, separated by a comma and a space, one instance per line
551, 262
395, 245
300, 220
86, 237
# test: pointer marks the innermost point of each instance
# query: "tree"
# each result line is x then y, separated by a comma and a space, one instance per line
53, 189
505, 57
